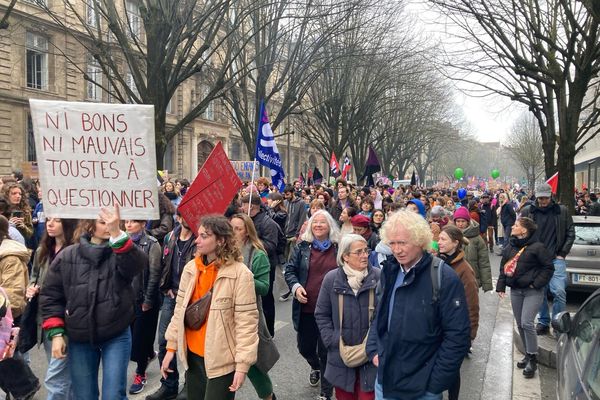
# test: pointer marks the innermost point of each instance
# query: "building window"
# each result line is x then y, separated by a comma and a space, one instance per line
31, 156
94, 72
37, 61
209, 112
133, 16
131, 84
236, 151
90, 13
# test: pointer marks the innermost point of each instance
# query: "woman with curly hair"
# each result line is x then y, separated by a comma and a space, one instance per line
218, 351
20, 211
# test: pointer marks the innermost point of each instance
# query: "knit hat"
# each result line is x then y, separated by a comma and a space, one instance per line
419, 205
360, 220
438, 211
462, 213
543, 190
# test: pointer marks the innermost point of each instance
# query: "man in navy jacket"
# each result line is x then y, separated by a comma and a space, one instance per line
418, 343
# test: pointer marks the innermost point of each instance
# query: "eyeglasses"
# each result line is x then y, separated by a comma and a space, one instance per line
365, 251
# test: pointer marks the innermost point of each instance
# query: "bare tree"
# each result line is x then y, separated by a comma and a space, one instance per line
283, 58
525, 145
542, 54
149, 48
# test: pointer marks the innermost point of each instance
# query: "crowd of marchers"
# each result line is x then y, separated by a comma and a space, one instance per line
384, 282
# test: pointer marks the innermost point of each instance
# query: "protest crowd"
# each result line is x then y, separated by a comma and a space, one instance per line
384, 283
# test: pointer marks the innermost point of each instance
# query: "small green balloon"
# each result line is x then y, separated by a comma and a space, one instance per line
495, 173
459, 173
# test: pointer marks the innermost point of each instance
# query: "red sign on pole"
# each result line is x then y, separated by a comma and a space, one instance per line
212, 190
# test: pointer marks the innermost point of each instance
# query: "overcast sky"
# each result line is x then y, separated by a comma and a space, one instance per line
489, 118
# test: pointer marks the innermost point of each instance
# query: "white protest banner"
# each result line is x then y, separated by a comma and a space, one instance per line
243, 169
94, 155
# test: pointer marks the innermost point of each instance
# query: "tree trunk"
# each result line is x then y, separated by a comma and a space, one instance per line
566, 177
160, 138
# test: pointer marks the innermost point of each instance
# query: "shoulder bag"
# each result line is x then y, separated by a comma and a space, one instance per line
196, 312
511, 265
354, 356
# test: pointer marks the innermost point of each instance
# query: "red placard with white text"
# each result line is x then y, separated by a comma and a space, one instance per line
212, 190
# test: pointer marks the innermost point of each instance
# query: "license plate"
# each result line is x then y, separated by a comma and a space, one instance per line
585, 279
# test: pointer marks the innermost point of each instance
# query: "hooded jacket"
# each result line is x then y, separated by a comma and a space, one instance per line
381, 253
478, 257
296, 216
420, 206
13, 273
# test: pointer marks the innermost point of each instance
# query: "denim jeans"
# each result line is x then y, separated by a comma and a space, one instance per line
58, 380
525, 303
557, 287
507, 229
426, 395
85, 359
166, 313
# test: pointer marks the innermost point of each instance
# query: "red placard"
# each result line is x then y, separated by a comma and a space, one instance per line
212, 190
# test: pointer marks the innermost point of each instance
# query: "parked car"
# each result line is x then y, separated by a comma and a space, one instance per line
583, 262
578, 351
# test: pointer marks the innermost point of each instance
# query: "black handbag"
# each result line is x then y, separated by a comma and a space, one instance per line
28, 334
268, 354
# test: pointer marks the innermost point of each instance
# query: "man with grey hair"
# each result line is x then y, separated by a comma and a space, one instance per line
420, 334
557, 233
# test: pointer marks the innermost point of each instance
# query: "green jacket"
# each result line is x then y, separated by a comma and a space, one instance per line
260, 267
477, 256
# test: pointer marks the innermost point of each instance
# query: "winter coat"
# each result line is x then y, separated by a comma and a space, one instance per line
336, 209
170, 245
88, 289
260, 268
268, 233
534, 268
467, 277
565, 230
355, 326
232, 321
14, 276
280, 217
381, 253
478, 257
507, 215
296, 273
145, 285
160, 227
296, 216
426, 341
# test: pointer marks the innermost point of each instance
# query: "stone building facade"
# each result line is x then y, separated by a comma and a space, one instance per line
37, 60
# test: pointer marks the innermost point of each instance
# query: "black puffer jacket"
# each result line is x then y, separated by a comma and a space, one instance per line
534, 267
89, 287
145, 285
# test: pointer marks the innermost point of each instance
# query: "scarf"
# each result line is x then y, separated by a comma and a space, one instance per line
246, 253
355, 278
171, 195
323, 245
449, 258
135, 237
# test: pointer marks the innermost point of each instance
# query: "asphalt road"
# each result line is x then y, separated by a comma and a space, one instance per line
485, 375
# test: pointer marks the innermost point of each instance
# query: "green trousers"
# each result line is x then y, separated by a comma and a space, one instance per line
199, 387
261, 382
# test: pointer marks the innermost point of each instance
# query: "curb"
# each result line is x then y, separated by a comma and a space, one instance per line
546, 348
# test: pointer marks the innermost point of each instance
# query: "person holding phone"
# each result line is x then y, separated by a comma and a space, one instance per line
20, 211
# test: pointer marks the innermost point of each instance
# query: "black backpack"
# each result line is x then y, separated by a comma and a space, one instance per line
436, 278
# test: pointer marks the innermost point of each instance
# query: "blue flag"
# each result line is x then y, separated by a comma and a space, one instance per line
266, 150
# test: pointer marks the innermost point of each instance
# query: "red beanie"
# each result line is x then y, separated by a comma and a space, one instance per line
462, 213
360, 220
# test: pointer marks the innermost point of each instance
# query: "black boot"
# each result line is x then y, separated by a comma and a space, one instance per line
523, 363
531, 366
